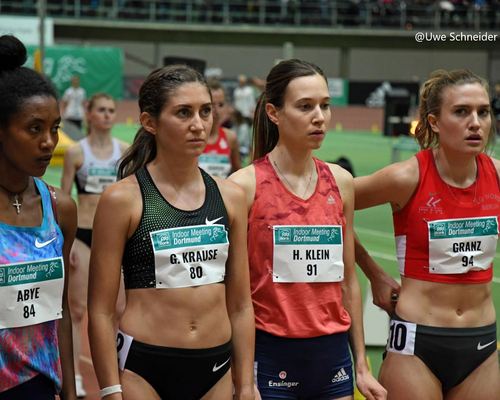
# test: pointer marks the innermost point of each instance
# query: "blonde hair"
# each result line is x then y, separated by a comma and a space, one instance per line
91, 103
431, 101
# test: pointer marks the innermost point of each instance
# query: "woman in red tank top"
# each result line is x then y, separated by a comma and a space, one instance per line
305, 290
445, 203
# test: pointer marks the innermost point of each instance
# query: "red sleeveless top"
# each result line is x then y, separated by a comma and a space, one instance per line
417, 235
216, 158
294, 310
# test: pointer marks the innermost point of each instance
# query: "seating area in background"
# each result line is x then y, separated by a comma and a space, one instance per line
371, 14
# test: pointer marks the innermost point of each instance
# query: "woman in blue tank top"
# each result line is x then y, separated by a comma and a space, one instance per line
37, 228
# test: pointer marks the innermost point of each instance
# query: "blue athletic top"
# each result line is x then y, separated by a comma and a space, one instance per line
27, 351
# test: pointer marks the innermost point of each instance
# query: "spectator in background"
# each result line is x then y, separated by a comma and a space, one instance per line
221, 156
72, 102
244, 99
91, 164
242, 130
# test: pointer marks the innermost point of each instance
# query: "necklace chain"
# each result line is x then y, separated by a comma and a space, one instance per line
16, 198
289, 184
475, 192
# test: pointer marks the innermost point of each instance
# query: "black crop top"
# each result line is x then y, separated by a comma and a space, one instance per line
158, 214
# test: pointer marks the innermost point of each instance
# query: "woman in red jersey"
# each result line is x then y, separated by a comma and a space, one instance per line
445, 202
305, 290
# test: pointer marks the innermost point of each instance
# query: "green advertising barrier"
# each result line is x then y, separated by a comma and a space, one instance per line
339, 91
100, 68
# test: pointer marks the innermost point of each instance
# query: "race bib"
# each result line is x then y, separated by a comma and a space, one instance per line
190, 256
123, 343
98, 178
402, 337
457, 246
307, 253
215, 164
31, 292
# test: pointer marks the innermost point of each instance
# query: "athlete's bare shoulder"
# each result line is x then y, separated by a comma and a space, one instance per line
229, 190
124, 193
245, 178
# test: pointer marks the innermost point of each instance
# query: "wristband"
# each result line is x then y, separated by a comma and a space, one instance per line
111, 390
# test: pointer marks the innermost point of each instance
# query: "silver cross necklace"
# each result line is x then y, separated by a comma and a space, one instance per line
16, 196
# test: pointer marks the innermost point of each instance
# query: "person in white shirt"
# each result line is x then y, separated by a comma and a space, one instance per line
244, 99
72, 102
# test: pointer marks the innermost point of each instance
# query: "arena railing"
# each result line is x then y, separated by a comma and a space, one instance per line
364, 14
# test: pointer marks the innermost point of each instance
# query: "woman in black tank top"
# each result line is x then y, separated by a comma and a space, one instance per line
180, 235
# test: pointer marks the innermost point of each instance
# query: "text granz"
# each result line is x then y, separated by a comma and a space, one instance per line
467, 246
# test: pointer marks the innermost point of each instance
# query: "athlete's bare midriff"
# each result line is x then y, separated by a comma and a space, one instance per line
444, 304
194, 317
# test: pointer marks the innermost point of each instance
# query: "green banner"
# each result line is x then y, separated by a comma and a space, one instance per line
100, 68
339, 91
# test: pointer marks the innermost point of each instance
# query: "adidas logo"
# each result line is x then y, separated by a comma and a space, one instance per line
331, 200
340, 377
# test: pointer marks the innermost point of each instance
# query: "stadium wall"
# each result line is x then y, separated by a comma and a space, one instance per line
364, 63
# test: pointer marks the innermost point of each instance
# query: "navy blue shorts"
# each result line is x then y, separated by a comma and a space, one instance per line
317, 368
38, 388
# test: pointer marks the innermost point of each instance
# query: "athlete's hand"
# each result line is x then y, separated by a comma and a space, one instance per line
256, 393
248, 393
369, 387
385, 291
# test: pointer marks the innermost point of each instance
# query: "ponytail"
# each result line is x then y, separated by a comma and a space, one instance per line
266, 133
139, 154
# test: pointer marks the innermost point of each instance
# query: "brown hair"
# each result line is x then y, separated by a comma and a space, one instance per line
431, 101
266, 133
155, 92
91, 103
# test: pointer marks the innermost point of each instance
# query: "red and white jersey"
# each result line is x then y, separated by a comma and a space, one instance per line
216, 158
295, 256
447, 234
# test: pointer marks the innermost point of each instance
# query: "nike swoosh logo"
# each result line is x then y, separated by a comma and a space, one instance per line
482, 346
39, 245
217, 367
433, 194
212, 222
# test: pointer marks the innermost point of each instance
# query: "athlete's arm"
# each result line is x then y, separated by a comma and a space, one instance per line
246, 179
393, 184
383, 285
110, 231
232, 140
238, 299
66, 211
73, 159
351, 293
